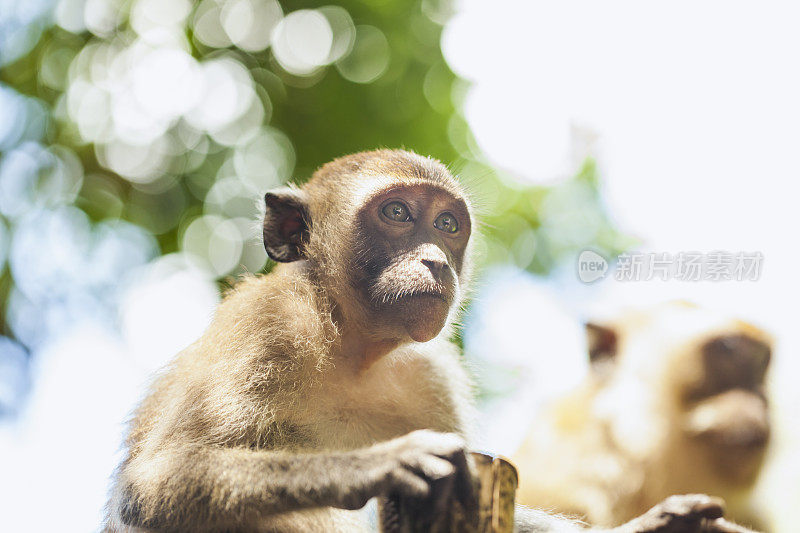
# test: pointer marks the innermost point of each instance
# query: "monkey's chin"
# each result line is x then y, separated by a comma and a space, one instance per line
425, 316
732, 428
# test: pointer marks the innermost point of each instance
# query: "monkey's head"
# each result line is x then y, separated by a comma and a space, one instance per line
385, 233
698, 374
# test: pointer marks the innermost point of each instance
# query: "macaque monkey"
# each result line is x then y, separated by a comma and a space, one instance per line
330, 380
674, 403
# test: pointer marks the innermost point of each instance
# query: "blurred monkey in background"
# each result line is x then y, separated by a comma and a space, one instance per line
674, 403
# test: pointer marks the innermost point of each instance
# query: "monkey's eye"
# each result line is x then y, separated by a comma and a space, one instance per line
396, 211
446, 222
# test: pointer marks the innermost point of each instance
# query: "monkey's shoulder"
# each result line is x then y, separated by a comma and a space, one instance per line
282, 293
280, 315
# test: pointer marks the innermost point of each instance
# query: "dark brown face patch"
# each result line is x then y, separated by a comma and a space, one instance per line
411, 256
407, 269
726, 410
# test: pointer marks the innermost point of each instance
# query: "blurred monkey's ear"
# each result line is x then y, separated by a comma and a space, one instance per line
286, 224
601, 342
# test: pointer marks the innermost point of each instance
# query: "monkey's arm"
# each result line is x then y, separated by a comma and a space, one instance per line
691, 513
216, 486
527, 520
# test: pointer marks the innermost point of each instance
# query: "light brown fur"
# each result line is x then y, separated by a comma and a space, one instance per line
619, 443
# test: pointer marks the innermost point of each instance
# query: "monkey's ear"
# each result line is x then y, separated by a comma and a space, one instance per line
286, 224
602, 343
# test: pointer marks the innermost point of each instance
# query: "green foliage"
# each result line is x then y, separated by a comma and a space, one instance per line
537, 228
305, 119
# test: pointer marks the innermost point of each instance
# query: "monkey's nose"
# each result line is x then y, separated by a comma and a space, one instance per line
435, 265
434, 258
737, 359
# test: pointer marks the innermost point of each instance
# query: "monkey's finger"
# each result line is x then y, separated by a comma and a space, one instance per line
443, 444
693, 506
720, 525
409, 485
443, 495
465, 485
434, 467
708, 506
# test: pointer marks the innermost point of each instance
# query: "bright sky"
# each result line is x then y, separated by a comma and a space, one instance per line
691, 108
695, 105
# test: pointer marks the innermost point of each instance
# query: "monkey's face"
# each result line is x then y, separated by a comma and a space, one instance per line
385, 233
726, 413
412, 240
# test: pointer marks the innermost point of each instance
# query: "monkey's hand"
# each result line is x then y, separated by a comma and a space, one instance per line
423, 464
690, 513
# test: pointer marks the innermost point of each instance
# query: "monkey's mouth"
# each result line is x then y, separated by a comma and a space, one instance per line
416, 294
439, 295
735, 419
